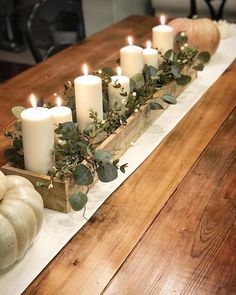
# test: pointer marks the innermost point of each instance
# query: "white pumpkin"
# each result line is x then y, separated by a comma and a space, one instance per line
21, 216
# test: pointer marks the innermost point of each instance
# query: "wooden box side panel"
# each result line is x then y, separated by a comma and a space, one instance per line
137, 123
55, 198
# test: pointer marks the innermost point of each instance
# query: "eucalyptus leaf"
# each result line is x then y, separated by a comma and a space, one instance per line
67, 129
108, 71
107, 173
132, 84
18, 126
17, 110
168, 54
115, 162
204, 56
198, 67
139, 80
156, 106
13, 157
103, 156
122, 167
153, 71
169, 99
17, 143
105, 105
183, 80
78, 201
175, 71
82, 175
89, 151
146, 73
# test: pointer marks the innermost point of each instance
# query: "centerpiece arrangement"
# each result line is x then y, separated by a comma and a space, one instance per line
63, 150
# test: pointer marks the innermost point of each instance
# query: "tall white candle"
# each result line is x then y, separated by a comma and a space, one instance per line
114, 94
38, 138
150, 55
163, 36
60, 113
88, 95
131, 59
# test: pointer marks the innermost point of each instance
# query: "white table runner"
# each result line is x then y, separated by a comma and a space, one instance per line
59, 228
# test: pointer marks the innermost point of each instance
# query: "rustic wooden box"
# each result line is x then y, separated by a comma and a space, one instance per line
57, 198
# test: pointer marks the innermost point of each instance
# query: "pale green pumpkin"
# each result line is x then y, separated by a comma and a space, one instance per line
21, 216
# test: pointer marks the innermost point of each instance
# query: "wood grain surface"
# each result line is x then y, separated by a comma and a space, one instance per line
128, 247
190, 247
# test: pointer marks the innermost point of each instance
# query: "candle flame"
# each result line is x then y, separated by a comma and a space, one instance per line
85, 70
148, 44
130, 40
118, 71
58, 100
162, 19
33, 101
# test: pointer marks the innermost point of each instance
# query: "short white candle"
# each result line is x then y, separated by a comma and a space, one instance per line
61, 113
38, 138
163, 36
114, 93
131, 59
88, 95
150, 55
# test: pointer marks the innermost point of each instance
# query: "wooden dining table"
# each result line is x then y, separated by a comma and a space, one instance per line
170, 228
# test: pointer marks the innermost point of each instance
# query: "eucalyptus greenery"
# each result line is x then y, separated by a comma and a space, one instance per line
76, 155
143, 87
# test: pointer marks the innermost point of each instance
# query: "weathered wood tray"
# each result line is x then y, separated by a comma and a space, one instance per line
57, 198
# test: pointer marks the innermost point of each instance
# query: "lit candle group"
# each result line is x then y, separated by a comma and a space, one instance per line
38, 123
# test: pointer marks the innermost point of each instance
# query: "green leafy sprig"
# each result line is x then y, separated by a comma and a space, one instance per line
78, 160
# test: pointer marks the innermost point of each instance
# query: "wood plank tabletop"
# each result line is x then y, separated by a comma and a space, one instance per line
129, 246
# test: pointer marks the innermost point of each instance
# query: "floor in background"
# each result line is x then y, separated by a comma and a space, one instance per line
24, 57
12, 63
10, 69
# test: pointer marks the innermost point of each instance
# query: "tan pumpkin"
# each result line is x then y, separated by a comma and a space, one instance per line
202, 32
21, 216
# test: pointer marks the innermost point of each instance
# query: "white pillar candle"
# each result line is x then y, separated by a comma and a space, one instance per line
163, 36
131, 59
88, 95
60, 113
150, 55
114, 93
38, 138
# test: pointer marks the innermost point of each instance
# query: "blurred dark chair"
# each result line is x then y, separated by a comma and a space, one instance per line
216, 13
54, 25
11, 37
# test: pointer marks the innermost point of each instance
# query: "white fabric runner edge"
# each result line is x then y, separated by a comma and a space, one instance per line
59, 228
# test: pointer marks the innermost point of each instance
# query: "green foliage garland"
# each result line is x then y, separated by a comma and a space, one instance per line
75, 152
